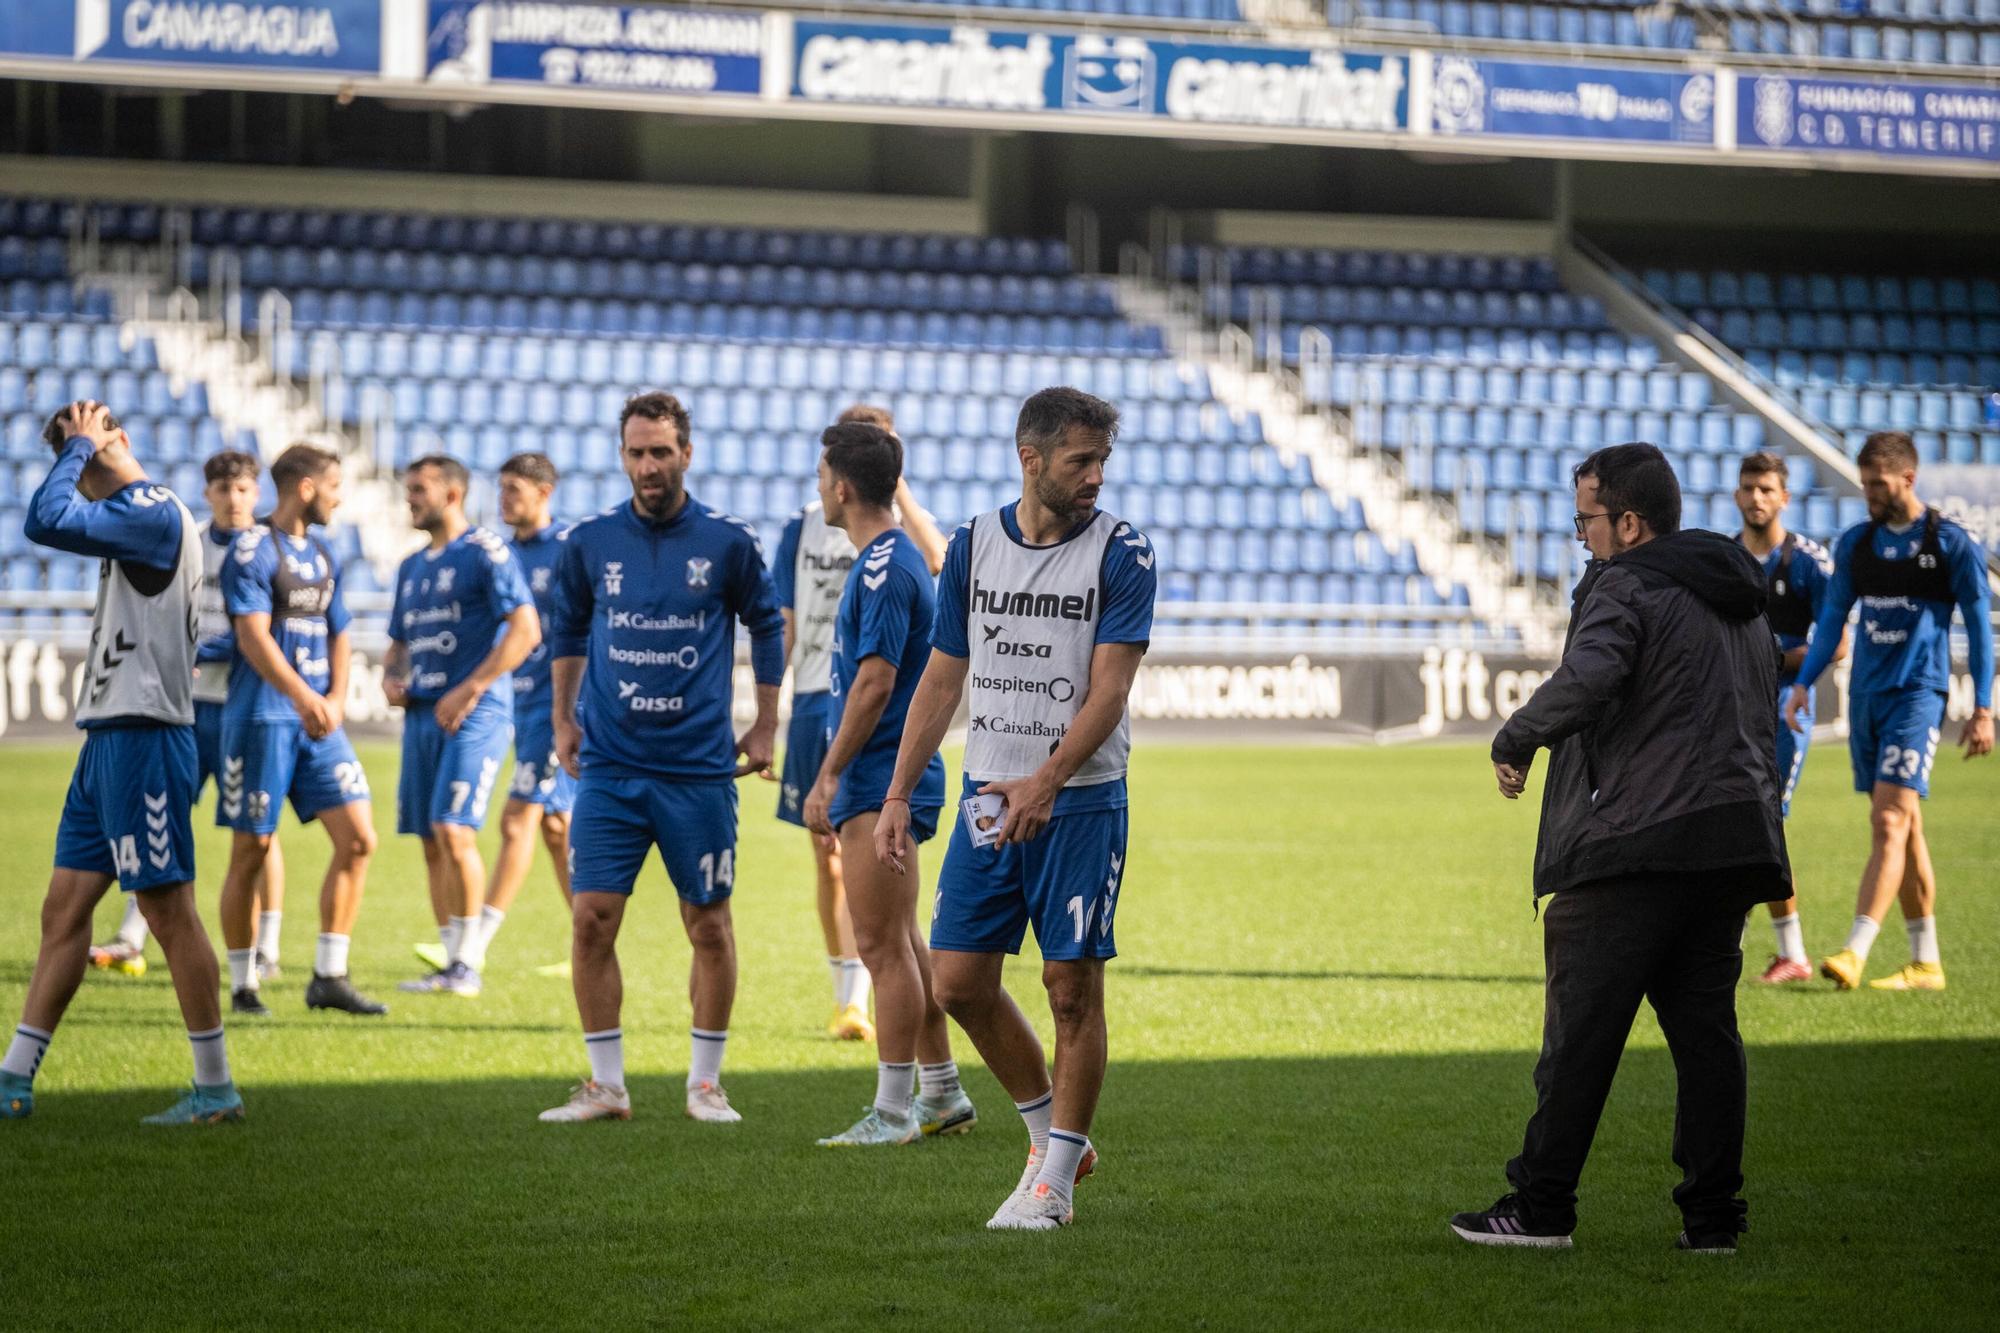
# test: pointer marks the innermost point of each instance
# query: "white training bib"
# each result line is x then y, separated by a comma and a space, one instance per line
819, 572
142, 634
211, 681
1031, 621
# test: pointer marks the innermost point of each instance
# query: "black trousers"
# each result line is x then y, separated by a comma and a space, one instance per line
1678, 945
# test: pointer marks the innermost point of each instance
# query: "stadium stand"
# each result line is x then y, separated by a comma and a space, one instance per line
1862, 352
58, 344
1489, 381
484, 337
1959, 33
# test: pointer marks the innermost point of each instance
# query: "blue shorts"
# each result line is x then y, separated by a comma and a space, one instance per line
207, 748
265, 762
805, 751
619, 819
1892, 737
1066, 881
866, 781
448, 779
1792, 746
128, 811
538, 778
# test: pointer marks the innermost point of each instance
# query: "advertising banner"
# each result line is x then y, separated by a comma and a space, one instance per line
1936, 120
38, 30
1519, 99
1098, 75
623, 48
331, 36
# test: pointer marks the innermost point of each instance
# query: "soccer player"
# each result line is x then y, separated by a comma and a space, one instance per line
230, 488
647, 599
542, 792
462, 623
1044, 609
1907, 565
1798, 571
812, 564
126, 817
282, 732
881, 637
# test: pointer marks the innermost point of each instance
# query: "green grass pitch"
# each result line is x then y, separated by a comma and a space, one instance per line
1322, 1028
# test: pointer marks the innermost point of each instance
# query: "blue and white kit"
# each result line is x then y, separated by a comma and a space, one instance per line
127, 812
1907, 581
1029, 618
214, 650
808, 575
652, 608
266, 754
1798, 573
886, 610
538, 778
451, 608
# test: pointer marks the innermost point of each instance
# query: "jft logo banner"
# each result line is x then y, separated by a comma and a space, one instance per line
625, 48
337, 36
1779, 111
1094, 74
1497, 97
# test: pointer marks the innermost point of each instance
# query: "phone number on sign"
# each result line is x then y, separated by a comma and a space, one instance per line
618, 69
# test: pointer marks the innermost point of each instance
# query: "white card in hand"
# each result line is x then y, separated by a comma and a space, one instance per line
983, 816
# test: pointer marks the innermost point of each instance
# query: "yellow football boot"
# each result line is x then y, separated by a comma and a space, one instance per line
1842, 969
850, 1024
1915, 976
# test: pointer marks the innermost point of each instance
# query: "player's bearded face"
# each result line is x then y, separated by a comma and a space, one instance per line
1070, 478
655, 461
1887, 491
325, 498
426, 493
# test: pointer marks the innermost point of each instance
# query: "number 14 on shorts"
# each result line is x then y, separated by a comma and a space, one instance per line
1084, 914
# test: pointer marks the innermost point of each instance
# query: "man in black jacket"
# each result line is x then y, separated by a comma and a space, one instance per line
1660, 828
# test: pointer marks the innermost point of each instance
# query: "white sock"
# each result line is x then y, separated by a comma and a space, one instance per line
892, 1089
1862, 938
858, 983
25, 1052
1923, 939
132, 930
938, 1080
465, 935
1066, 1148
242, 969
837, 967
330, 955
489, 926
1791, 937
606, 1050
448, 935
211, 1060
1037, 1113
705, 1056
267, 934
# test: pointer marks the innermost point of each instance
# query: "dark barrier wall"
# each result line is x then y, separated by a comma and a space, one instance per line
1435, 693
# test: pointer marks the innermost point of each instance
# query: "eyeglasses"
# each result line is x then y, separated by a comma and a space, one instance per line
1582, 521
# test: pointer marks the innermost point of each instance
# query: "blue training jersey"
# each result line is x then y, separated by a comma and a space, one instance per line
1811, 573
1904, 643
1130, 583
132, 524
451, 608
537, 556
652, 609
293, 580
886, 611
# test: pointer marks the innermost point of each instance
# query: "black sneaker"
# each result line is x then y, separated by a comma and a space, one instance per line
1707, 1242
247, 1001
1502, 1225
339, 993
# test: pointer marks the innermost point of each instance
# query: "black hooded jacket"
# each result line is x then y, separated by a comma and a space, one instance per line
1661, 724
